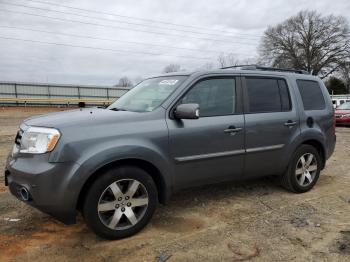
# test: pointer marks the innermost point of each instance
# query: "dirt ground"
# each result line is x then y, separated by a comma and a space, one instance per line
256, 220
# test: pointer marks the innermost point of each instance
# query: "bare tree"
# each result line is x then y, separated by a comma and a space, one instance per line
221, 60
225, 60
308, 41
125, 82
249, 61
207, 66
172, 68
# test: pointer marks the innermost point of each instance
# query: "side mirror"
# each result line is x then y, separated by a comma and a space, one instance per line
187, 111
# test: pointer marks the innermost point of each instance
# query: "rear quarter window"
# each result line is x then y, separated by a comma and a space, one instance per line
311, 95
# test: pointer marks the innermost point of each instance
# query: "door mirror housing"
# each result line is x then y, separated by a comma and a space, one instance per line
187, 111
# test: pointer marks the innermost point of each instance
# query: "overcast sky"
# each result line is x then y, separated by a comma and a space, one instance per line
210, 27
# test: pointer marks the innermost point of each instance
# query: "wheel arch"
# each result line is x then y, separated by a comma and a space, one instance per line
319, 147
162, 187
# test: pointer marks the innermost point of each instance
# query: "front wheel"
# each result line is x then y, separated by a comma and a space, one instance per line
303, 171
120, 203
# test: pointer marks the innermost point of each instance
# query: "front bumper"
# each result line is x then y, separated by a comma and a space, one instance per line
342, 121
48, 184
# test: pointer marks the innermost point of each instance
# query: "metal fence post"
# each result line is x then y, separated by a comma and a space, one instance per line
49, 93
16, 95
79, 95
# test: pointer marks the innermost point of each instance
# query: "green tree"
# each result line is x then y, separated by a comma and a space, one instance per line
345, 74
335, 86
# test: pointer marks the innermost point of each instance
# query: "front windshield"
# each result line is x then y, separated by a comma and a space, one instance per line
345, 106
148, 95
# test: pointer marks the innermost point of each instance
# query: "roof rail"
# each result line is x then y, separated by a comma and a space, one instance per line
265, 68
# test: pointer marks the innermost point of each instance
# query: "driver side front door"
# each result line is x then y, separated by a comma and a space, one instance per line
211, 148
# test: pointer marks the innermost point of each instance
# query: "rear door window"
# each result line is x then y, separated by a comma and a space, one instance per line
311, 95
267, 95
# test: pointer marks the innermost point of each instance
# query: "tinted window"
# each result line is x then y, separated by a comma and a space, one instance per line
311, 94
285, 98
267, 95
215, 96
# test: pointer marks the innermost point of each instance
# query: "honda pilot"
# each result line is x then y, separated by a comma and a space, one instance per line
174, 131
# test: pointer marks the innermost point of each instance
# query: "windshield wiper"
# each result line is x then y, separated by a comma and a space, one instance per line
118, 109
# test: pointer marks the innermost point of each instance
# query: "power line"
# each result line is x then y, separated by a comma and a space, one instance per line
108, 39
123, 22
123, 28
135, 18
126, 52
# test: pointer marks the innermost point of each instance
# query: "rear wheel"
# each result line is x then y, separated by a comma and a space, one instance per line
303, 171
120, 203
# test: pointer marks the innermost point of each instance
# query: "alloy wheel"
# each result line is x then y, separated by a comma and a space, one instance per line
306, 169
123, 204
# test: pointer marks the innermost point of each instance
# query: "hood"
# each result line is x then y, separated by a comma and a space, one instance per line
81, 117
342, 112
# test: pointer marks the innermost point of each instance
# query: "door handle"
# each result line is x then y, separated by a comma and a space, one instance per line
232, 129
290, 123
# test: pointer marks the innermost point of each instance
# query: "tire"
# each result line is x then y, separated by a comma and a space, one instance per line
293, 180
120, 202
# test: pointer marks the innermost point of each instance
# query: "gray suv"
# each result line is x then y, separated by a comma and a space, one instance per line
115, 164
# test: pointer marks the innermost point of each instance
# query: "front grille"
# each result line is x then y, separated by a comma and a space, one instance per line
19, 137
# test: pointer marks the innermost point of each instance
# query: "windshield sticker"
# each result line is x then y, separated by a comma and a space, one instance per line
170, 82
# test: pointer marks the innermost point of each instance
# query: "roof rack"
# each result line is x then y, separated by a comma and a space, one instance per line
265, 68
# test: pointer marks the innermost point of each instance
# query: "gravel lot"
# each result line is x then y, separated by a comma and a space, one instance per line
255, 220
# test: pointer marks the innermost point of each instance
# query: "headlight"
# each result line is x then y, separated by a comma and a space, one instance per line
39, 140
346, 115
